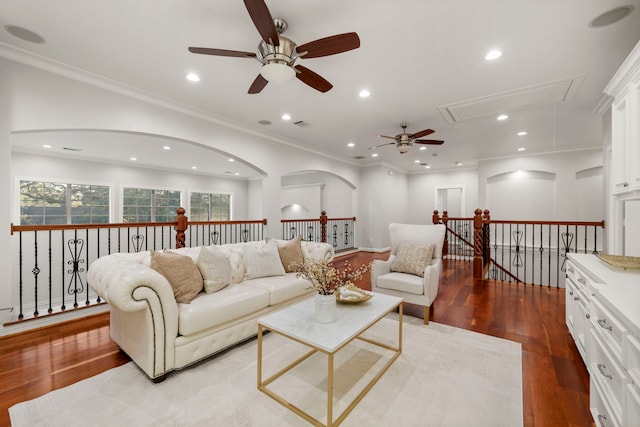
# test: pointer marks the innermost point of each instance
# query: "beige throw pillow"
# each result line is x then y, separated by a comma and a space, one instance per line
412, 259
181, 272
290, 252
215, 268
263, 262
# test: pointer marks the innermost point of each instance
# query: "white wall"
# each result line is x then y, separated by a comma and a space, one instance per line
33, 166
422, 192
384, 199
5, 195
336, 196
549, 183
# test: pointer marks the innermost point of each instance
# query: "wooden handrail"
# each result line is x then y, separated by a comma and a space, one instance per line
578, 223
18, 228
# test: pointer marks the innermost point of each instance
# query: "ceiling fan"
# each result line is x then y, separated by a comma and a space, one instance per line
405, 140
278, 54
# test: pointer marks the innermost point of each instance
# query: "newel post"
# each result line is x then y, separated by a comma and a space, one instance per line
477, 244
486, 218
323, 226
435, 218
181, 226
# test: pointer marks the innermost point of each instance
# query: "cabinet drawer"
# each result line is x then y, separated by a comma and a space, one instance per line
601, 411
605, 370
608, 327
632, 406
579, 278
631, 358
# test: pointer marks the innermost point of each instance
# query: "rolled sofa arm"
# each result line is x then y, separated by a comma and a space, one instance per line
317, 250
144, 312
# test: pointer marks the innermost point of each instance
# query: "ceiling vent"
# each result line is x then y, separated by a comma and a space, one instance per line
301, 123
555, 92
71, 149
359, 157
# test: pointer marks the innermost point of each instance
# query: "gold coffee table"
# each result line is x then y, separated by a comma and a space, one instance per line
296, 323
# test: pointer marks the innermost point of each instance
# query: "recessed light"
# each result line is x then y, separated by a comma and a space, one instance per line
423, 148
502, 117
193, 77
416, 161
46, 146
458, 164
427, 167
522, 133
493, 54
286, 117
364, 93
374, 155
611, 17
194, 167
231, 160
24, 34
133, 158
237, 173
351, 145
166, 147
521, 149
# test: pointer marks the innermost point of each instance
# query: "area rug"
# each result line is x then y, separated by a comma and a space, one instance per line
445, 376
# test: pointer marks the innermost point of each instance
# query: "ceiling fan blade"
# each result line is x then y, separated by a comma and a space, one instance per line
386, 136
382, 145
422, 133
258, 84
221, 52
428, 141
329, 45
261, 17
312, 79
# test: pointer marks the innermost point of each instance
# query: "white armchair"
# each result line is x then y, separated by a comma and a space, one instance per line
411, 287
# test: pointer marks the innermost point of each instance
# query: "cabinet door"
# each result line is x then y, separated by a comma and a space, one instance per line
619, 143
633, 141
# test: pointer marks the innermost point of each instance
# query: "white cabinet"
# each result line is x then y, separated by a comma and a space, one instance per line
625, 121
604, 321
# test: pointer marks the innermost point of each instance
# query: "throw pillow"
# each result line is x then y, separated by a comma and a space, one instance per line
215, 268
181, 272
263, 262
290, 252
412, 259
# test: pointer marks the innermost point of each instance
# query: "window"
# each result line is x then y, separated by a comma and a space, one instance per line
210, 207
147, 205
43, 202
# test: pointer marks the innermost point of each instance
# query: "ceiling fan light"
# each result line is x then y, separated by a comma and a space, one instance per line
403, 148
277, 73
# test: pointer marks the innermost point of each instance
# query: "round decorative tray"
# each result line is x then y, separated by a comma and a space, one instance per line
621, 261
351, 294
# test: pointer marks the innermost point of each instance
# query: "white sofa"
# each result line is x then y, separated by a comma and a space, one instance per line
161, 335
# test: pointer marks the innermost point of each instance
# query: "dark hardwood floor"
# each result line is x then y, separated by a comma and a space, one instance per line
555, 380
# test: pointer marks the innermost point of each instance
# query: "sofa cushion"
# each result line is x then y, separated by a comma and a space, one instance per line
412, 259
215, 268
211, 310
181, 273
280, 288
290, 252
402, 282
263, 262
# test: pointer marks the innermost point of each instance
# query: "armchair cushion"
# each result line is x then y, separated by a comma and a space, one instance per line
408, 283
412, 259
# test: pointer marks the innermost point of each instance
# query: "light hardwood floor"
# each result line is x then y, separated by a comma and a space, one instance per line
555, 380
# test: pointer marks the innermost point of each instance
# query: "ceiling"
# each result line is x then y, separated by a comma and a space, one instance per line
422, 61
